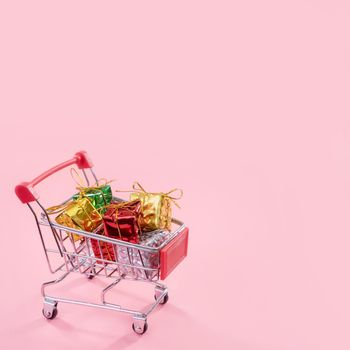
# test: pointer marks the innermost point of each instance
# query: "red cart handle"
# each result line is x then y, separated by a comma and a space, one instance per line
25, 190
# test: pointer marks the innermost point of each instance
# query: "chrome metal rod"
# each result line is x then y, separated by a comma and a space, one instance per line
109, 287
58, 280
107, 306
159, 299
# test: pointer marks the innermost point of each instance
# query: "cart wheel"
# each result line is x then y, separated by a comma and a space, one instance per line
91, 274
140, 329
164, 300
50, 314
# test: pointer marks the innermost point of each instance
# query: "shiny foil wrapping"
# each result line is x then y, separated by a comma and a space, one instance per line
99, 197
140, 258
122, 221
137, 258
156, 210
102, 250
80, 214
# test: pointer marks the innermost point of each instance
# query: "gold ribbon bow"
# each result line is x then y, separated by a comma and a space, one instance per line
82, 186
125, 206
138, 188
84, 189
58, 209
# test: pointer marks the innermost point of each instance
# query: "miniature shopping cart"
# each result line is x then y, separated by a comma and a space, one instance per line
67, 254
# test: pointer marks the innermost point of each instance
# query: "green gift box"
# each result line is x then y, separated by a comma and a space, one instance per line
99, 196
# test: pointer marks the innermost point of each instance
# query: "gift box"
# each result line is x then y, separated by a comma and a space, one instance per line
99, 196
121, 221
156, 208
141, 259
102, 250
79, 214
138, 259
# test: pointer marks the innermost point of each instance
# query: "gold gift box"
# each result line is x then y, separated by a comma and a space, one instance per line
79, 214
156, 208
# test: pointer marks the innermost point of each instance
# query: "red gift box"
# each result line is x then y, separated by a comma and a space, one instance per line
105, 248
121, 221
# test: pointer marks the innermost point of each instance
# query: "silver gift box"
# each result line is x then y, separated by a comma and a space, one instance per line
133, 261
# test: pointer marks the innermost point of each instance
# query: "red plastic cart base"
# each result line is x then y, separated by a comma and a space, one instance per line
173, 253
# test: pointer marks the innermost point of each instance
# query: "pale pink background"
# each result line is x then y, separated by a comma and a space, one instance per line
244, 105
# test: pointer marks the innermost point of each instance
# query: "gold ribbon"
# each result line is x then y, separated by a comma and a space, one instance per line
138, 188
58, 209
77, 178
84, 189
80, 182
125, 206
55, 209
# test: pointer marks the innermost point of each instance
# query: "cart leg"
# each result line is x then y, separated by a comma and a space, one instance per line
50, 308
161, 294
50, 304
109, 287
140, 325
58, 280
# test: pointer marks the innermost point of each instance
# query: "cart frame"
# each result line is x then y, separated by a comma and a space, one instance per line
78, 256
